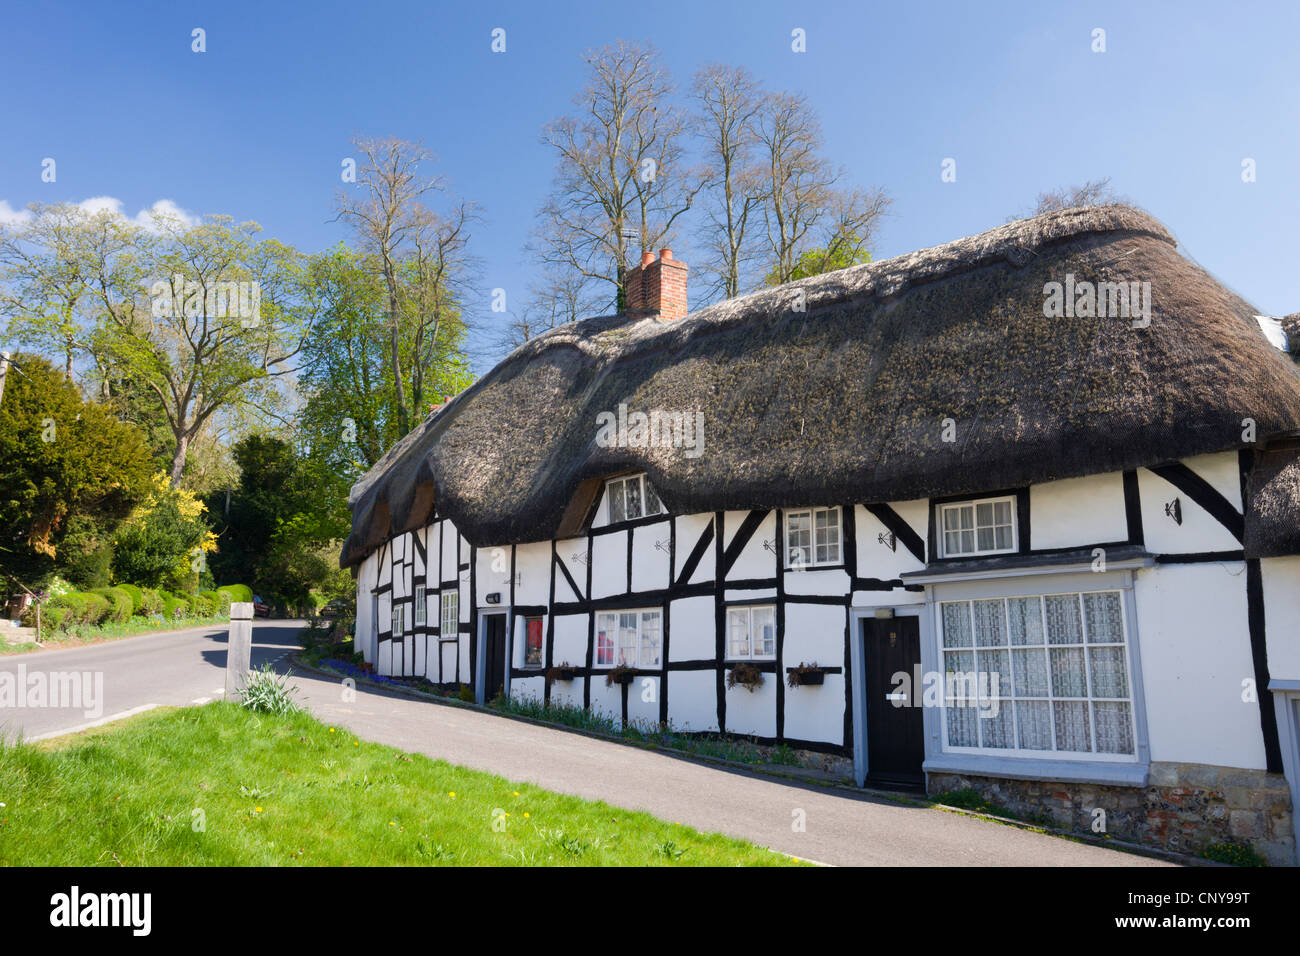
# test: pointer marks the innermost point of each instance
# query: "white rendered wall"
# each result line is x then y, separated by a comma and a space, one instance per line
1195, 648
1077, 511
1281, 578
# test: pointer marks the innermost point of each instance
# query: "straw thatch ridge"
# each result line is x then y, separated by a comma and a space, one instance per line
838, 388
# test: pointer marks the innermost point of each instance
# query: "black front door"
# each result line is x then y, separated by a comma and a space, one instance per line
495, 656
895, 730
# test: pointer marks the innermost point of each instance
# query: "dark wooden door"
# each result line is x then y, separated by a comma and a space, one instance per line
495, 658
895, 729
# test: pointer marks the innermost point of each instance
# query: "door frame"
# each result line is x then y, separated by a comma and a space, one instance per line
858, 681
480, 658
1286, 705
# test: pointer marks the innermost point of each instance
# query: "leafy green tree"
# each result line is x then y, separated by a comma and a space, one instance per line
61, 457
815, 262
192, 321
352, 411
284, 513
165, 542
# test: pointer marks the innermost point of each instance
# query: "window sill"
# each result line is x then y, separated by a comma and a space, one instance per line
1020, 768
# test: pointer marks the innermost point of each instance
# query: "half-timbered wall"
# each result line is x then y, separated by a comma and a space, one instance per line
1208, 621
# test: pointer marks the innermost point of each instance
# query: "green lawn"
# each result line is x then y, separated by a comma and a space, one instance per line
218, 786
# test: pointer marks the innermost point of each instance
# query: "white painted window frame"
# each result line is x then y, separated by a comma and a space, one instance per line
421, 605
399, 620
618, 486
812, 562
641, 662
449, 612
971, 503
751, 639
1053, 754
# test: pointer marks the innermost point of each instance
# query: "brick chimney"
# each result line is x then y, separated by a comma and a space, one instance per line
658, 285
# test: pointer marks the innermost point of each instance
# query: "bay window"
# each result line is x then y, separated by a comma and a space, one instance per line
1038, 674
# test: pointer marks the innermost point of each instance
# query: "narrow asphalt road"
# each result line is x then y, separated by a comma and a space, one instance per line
119, 678
838, 827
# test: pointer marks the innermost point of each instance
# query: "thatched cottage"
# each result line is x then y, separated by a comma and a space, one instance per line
1019, 513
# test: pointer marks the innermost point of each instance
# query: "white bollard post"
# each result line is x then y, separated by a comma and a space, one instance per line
239, 647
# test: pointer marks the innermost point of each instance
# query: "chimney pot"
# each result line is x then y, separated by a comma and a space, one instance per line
658, 285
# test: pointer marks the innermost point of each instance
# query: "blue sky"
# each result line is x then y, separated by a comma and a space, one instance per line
256, 127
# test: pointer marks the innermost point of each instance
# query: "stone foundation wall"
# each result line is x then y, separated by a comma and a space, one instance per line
1185, 807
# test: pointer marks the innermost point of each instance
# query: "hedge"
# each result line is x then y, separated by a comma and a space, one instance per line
221, 600
237, 592
119, 603
151, 602
137, 597
174, 606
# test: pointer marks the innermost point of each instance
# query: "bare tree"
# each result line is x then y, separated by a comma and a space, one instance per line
847, 231
813, 224
799, 180
620, 180
563, 297
432, 307
384, 210
728, 100
1094, 192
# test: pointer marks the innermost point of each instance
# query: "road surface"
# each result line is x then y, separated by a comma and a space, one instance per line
808, 821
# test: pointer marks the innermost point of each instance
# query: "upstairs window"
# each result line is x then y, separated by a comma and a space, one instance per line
977, 527
812, 538
630, 498
399, 619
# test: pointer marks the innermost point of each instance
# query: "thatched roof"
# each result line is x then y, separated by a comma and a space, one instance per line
1273, 514
1291, 326
845, 400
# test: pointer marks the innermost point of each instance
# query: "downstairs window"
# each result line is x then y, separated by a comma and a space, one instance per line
628, 638
1035, 674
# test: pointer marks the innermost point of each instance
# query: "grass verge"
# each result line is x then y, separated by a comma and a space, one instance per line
221, 786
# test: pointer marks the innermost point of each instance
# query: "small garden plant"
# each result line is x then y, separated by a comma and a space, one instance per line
266, 692
745, 675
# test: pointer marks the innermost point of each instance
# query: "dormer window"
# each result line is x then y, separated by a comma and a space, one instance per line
968, 528
630, 498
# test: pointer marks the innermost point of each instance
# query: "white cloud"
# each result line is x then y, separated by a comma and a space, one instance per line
149, 219
10, 216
